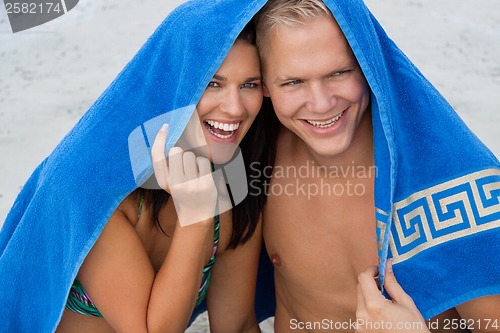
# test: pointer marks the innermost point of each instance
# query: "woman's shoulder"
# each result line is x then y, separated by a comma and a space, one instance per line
129, 207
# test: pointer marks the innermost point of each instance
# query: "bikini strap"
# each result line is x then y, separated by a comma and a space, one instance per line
141, 202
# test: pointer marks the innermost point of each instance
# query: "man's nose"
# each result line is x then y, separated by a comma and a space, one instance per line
322, 99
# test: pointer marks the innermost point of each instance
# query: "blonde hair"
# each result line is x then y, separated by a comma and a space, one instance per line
286, 12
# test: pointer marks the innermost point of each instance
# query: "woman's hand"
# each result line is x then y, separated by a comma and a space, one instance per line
187, 178
375, 313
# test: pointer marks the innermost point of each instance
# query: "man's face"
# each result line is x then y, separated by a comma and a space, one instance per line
316, 85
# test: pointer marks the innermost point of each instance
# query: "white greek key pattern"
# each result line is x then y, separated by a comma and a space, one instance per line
458, 208
381, 218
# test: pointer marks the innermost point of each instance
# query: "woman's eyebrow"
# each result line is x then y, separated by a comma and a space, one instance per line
251, 79
220, 78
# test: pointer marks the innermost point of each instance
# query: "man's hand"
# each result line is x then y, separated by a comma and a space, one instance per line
375, 313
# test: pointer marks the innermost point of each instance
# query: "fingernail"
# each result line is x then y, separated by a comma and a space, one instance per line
164, 128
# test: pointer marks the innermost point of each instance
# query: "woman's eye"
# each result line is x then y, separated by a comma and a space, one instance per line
250, 85
213, 84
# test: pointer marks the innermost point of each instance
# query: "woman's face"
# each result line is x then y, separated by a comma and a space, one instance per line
231, 101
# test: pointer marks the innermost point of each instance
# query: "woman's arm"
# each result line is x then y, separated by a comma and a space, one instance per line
118, 274
230, 299
119, 278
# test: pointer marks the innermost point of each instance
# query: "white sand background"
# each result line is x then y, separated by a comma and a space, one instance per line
50, 75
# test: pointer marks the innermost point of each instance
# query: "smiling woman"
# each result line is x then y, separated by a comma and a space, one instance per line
232, 100
143, 260
156, 259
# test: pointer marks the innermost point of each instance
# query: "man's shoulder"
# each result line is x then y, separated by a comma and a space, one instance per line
286, 146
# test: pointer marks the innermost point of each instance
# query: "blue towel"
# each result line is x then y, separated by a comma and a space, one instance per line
64, 206
438, 187
436, 192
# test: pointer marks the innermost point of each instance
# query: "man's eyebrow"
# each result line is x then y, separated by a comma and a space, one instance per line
286, 78
349, 65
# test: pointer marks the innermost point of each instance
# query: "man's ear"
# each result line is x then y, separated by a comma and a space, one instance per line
265, 90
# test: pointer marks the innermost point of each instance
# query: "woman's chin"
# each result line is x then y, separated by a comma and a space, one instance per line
216, 152
221, 153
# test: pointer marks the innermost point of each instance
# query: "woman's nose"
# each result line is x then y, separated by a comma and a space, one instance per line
232, 103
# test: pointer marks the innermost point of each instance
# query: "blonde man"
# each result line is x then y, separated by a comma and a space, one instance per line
324, 245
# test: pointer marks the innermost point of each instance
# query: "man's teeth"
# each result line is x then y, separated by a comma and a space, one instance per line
230, 128
325, 124
224, 126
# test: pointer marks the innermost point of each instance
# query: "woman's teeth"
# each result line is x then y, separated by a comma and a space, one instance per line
222, 130
224, 126
326, 124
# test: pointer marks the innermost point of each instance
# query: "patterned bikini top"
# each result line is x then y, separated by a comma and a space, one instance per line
79, 301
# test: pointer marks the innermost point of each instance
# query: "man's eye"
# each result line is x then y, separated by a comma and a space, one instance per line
291, 83
342, 72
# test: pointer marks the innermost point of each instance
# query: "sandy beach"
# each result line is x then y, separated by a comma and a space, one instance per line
51, 74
